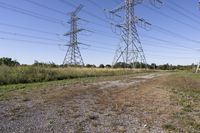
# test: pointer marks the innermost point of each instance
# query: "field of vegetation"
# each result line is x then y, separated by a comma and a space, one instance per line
160, 100
31, 74
185, 90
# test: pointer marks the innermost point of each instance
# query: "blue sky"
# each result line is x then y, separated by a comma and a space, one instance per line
180, 44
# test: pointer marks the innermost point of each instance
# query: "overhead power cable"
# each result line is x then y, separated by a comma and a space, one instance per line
174, 19
62, 13
28, 41
44, 6
95, 4
28, 29
183, 9
177, 44
173, 34
182, 13
29, 36
85, 11
53, 44
30, 13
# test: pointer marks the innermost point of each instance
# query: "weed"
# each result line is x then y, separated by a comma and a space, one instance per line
169, 127
185, 90
26, 99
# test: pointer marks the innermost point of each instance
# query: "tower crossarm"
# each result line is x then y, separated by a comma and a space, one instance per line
123, 6
73, 32
117, 9
78, 9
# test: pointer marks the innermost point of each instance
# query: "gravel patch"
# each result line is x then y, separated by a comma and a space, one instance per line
78, 108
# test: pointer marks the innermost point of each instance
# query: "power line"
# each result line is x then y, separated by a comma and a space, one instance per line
30, 13
53, 44
174, 19
178, 44
183, 9
171, 33
85, 11
28, 41
183, 14
57, 34
60, 12
161, 56
95, 4
46, 43
35, 37
168, 32
29, 29
116, 2
29, 36
151, 54
163, 44
102, 25
50, 33
155, 45
100, 51
46, 7
18, 34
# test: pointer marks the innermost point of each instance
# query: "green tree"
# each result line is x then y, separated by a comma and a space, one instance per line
108, 66
101, 66
8, 62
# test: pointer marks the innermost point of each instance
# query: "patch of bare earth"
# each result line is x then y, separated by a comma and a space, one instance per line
135, 104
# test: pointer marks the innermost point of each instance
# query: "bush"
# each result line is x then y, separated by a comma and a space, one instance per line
8, 62
30, 74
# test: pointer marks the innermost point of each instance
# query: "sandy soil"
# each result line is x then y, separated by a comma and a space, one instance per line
134, 104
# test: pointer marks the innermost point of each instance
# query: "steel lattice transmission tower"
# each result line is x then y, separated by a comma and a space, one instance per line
73, 55
130, 50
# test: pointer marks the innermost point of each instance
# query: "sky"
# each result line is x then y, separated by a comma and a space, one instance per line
34, 31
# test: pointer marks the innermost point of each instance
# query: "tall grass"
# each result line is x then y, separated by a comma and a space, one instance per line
30, 74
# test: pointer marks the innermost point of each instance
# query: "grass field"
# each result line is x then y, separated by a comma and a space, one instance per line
30, 74
28, 77
161, 101
185, 89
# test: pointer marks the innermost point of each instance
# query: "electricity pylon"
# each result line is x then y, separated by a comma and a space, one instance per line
130, 50
73, 55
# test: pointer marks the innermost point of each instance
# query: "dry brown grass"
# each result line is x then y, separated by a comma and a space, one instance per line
87, 104
186, 96
147, 101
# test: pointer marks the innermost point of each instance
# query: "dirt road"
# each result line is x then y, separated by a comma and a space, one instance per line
134, 104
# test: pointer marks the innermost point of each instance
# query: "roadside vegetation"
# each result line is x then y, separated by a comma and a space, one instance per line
173, 97
30, 74
185, 88
12, 72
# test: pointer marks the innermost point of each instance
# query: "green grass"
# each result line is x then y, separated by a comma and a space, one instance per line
31, 74
185, 88
6, 89
169, 127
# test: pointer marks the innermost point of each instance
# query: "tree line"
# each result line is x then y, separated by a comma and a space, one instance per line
12, 63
